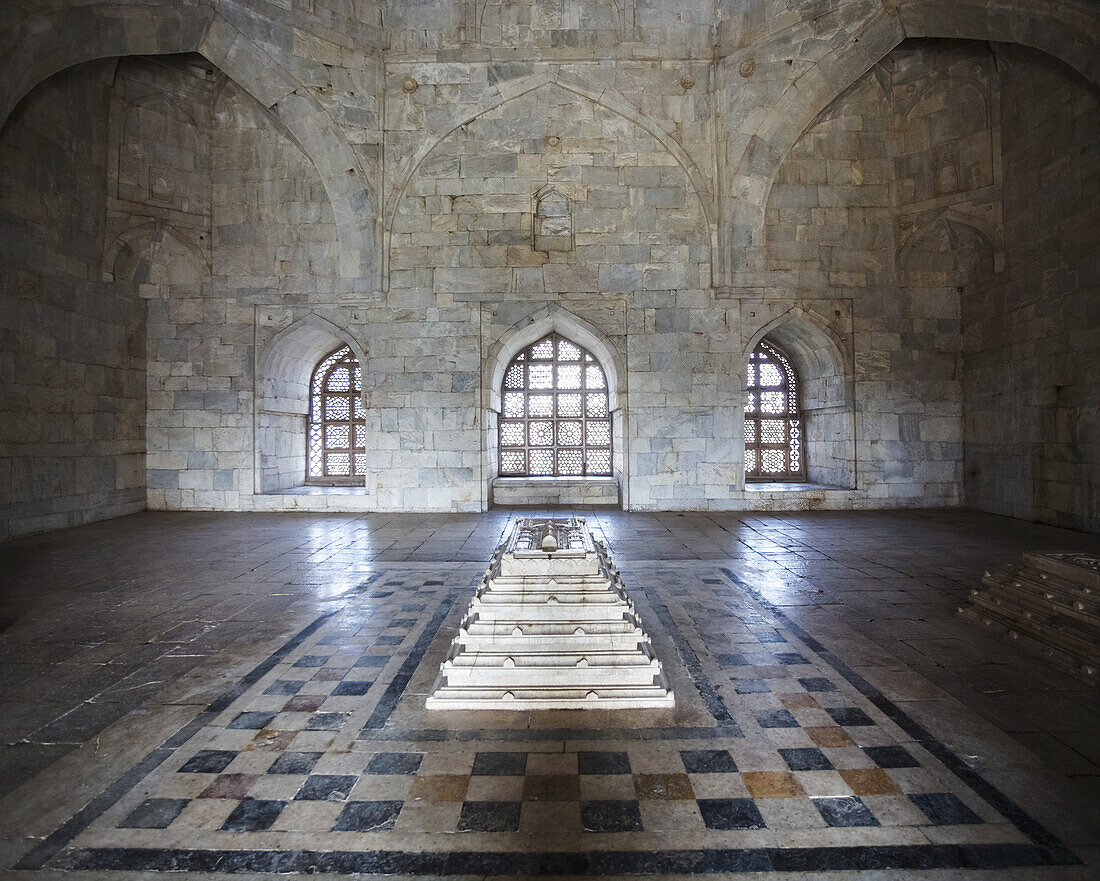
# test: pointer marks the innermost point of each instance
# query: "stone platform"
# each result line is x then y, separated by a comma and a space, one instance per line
551, 627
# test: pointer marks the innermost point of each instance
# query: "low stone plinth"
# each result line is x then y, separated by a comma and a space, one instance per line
550, 627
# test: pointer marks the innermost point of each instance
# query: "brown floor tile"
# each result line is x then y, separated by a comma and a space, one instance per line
829, 736
772, 784
869, 781
229, 786
798, 701
440, 787
304, 703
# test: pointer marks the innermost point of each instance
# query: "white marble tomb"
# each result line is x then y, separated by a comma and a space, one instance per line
550, 627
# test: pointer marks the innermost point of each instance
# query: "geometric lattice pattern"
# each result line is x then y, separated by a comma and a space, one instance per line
773, 423
336, 451
554, 416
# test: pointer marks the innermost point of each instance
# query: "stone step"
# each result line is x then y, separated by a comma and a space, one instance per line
1081, 569
554, 698
1006, 628
552, 631
1060, 633
1043, 596
532, 612
551, 658
1047, 604
582, 678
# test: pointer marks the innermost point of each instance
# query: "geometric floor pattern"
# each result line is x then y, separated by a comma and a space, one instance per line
777, 757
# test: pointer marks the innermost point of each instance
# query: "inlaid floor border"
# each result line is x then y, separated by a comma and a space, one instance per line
1045, 848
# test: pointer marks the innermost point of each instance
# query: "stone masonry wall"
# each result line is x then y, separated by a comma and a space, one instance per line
427, 181
1032, 338
72, 393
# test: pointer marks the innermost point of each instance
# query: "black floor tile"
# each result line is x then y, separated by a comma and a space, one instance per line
326, 721
294, 763
312, 661
352, 688
944, 809
603, 762
394, 763
253, 815
284, 686
489, 816
731, 813
817, 684
845, 811
708, 761
500, 764
323, 786
368, 816
891, 757
251, 721
208, 761
806, 759
611, 816
154, 813
776, 719
852, 716
372, 661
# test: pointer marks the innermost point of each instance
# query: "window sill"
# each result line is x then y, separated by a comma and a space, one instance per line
318, 490
556, 491
776, 486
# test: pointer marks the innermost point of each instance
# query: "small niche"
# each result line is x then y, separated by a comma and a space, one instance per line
553, 221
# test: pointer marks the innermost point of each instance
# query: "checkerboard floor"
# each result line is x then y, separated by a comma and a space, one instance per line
773, 744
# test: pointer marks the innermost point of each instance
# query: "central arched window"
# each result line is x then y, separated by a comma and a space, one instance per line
336, 450
554, 415
773, 421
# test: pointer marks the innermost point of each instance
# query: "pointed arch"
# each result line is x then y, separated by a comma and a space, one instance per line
501, 93
286, 363
554, 319
807, 338
284, 370
824, 362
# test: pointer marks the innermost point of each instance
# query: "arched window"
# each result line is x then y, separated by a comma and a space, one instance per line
336, 451
773, 421
554, 414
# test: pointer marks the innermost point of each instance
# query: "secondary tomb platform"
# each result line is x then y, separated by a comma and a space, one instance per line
551, 627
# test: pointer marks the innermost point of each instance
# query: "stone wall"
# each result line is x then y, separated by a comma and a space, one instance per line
1032, 337
669, 183
72, 396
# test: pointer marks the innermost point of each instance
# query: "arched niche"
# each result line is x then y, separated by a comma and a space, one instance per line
284, 368
554, 319
158, 261
823, 362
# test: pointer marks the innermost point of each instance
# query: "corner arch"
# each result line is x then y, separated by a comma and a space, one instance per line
1065, 29
500, 94
43, 44
136, 255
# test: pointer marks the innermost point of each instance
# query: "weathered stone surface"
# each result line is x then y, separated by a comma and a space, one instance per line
186, 235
